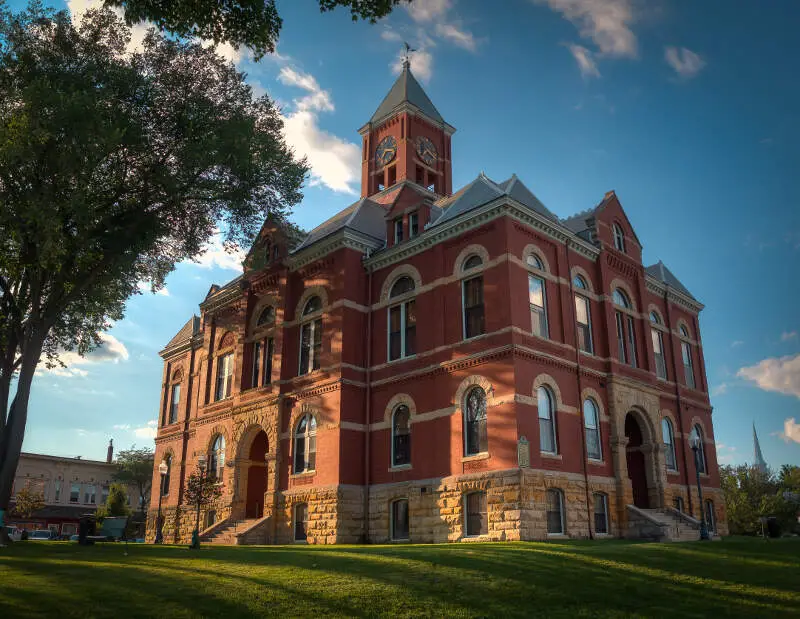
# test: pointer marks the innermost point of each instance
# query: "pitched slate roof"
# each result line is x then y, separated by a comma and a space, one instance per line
186, 332
406, 90
663, 274
364, 216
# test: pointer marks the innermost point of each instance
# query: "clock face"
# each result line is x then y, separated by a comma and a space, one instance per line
426, 150
386, 151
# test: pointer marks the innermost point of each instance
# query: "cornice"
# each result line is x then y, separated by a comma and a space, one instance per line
410, 109
658, 287
344, 238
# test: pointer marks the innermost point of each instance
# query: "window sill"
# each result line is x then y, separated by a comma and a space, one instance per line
551, 456
300, 541
481, 456
483, 537
399, 467
595, 461
673, 472
303, 474
399, 359
557, 536
406, 540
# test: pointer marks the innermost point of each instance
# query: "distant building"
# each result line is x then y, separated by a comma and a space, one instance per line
70, 487
758, 458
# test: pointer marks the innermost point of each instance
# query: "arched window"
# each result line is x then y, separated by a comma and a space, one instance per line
669, 444
266, 317
472, 299
216, 458
534, 261
583, 316
165, 480
305, 444
537, 298
658, 345
555, 512
402, 321
401, 436
696, 437
224, 369
311, 336
263, 350
547, 422
399, 520
686, 357
591, 420
174, 402
619, 238
600, 513
476, 439
626, 332
711, 518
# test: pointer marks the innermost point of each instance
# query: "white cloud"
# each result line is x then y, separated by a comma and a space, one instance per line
781, 375
226, 50
153, 423
387, 34
421, 64
736, 343
147, 431
138, 31
110, 350
317, 99
456, 35
586, 63
720, 389
788, 335
122, 426
791, 430
606, 22
145, 287
423, 11
215, 254
685, 62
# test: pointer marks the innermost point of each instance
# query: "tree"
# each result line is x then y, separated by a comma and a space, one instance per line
116, 504
751, 494
201, 490
113, 168
252, 23
28, 501
135, 467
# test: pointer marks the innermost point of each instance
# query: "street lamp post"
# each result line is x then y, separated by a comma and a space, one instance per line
163, 468
201, 463
694, 443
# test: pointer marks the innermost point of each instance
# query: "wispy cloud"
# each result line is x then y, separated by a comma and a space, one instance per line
457, 35
146, 431
787, 336
428, 10
726, 454
583, 57
719, 390
791, 430
684, 62
110, 350
737, 343
780, 375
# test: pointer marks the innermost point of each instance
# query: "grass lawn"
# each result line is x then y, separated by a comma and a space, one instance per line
732, 578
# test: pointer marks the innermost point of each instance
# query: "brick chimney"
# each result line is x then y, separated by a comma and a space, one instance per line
110, 454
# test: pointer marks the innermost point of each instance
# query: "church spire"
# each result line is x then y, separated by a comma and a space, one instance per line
759, 463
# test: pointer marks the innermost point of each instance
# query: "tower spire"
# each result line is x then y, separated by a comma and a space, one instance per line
759, 463
407, 55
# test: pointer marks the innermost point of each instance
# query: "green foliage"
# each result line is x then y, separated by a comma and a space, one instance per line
201, 489
252, 23
116, 503
27, 501
135, 467
751, 494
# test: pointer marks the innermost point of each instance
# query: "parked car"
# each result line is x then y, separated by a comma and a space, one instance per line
74, 538
14, 533
41, 534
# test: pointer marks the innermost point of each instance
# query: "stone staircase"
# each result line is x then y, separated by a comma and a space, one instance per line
228, 532
664, 524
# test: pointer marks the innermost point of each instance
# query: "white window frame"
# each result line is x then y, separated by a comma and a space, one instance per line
403, 305
218, 454
542, 311
619, 238
413, 222
392, 530
255, 373
604, 498
702, 446
465, 422
688, 365
658, 338
311, 325
560, 494
174, 403
223, 382
669, 447
552, 417
394, 464
596, 428
306, 438
397, 226
588, 324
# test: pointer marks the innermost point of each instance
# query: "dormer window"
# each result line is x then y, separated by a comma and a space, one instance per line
619, 238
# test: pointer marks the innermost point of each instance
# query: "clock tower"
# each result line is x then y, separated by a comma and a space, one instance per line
406, 140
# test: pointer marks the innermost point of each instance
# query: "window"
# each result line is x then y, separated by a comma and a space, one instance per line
174, 402
626, 333
476, 514
711, 521
399, 522
413, 225
547, 425
476, 439
619, 238
305, 444
74, 493
256, 373
697, 435
301, 522
688, 371
104, 495
600, 513
57, 496
216, 459
311, 338
536, 297
224, 376
69, 528
398, 230
402, 321
532, 260
166, 481
266, 317
276, 252
401, 436
89, 496
669, 444
658, 346
267, 377
472, 298
677, 503
267, 250
591, 419
583, 317
555, 512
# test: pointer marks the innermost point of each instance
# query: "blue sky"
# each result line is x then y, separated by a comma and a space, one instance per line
689, 110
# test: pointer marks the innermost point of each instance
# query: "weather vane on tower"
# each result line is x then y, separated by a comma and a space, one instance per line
407, 55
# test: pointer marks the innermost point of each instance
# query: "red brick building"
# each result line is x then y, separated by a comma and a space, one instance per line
436, 366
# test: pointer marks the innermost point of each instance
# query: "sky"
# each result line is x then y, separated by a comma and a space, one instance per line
689, 110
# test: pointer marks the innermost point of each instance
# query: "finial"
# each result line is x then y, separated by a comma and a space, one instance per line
407, 55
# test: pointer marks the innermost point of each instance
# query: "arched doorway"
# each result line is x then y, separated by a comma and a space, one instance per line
635, 458
257, 476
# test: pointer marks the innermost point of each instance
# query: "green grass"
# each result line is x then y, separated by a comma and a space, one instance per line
732, 578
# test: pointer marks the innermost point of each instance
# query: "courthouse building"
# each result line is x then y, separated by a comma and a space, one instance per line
436, 366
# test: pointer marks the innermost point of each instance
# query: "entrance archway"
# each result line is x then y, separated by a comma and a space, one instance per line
257, 476
636, 461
